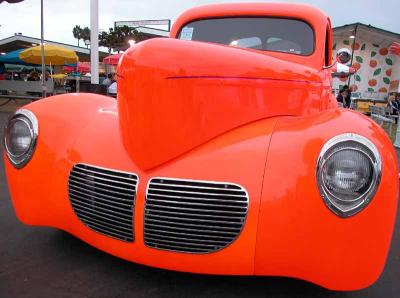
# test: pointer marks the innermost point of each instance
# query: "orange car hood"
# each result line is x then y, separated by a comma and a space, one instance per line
175, 95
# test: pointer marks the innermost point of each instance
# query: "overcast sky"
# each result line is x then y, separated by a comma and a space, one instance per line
62, 15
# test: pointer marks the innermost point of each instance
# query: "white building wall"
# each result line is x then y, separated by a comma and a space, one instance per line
377, 68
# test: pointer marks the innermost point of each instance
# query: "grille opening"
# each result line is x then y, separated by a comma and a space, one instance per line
193, 216
104, 200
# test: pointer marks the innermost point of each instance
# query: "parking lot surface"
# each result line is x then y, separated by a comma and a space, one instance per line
44, 262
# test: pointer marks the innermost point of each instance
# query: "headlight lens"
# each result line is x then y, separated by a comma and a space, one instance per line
20, 137
348, 173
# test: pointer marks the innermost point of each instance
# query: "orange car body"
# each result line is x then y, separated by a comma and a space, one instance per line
202, 111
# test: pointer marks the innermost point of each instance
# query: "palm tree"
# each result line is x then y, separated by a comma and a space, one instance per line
126, 30
85, 35
107, 39
117, 39
77, 32
130, 33
123, 34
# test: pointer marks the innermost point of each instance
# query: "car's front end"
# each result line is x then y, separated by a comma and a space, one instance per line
214, 159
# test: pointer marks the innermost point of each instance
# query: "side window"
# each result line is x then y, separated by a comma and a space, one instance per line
328, 47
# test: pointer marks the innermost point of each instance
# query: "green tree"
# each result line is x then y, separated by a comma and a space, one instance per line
107, 39
77, 32
117, 39
85, 35
122, 35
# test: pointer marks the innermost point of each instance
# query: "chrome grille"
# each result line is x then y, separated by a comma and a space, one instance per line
103, 199
193, 216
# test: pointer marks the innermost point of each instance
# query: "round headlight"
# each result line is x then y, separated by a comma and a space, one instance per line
348, 173
20, 137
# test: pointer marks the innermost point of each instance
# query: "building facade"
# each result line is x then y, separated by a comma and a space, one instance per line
378, 70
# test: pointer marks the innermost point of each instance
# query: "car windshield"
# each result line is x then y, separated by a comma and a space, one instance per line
267, 34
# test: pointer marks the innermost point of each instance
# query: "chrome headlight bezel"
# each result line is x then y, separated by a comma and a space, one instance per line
369, 150
29, 119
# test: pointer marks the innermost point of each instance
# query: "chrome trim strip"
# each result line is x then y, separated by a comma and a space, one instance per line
202, 187
96, 221
162, 237
196, 198
99, 183
196, 204
175, 248
78, 174
105, 215
128, 225
191, 235
79, 165
195, 215
191, 225
198, 220
102, 189
205, 210
105, 174
95, 208
79, 200
104, 197
114, 235
185, 243
198, 193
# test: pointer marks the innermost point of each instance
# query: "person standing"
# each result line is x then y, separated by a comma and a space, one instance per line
398, 100
33, 76
394, 106
108, 81
348, 97
341, 98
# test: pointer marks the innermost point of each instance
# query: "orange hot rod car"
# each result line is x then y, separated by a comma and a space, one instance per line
224, 153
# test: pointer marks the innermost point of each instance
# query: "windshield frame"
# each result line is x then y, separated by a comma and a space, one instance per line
254, 17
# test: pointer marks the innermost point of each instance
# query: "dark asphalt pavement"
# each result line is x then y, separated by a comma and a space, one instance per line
44, 262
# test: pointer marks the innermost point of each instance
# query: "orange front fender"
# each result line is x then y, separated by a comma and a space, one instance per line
297, 234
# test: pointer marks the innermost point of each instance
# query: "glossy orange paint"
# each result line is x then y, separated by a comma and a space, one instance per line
178, 89
182, 101
210, 112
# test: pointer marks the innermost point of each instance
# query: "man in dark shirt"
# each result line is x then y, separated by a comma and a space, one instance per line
348, 97
394, 106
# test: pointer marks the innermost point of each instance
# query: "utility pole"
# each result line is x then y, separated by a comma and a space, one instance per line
42, 47
94, 41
